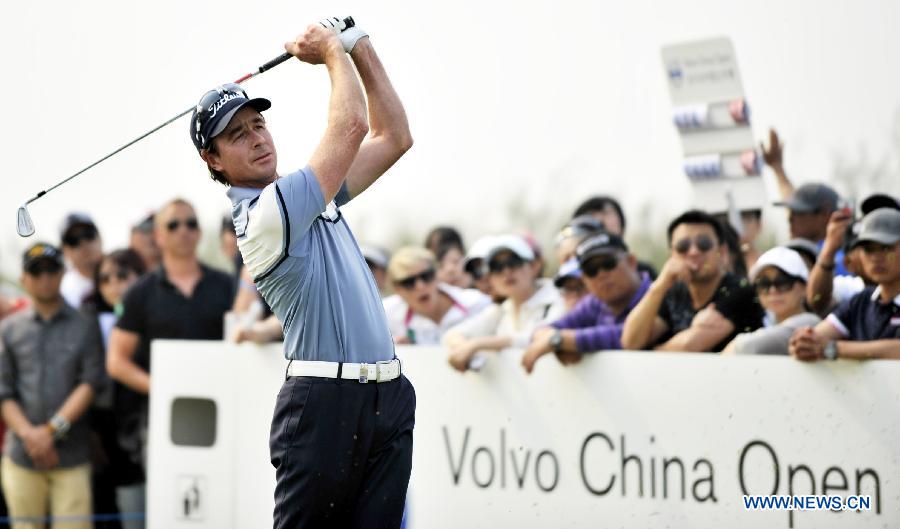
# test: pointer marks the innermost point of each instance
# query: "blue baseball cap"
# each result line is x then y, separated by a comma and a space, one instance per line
215, 110
569, 269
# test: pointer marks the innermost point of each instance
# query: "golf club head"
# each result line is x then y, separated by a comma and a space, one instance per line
24, 226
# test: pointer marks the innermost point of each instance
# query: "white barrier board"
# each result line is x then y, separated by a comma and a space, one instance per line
621, 440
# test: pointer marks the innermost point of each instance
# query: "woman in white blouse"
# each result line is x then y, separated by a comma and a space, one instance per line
531, 302
423, 308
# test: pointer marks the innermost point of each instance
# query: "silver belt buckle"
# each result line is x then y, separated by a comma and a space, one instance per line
364, 373
386, 364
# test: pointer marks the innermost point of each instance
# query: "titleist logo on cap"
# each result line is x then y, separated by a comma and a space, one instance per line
226, 97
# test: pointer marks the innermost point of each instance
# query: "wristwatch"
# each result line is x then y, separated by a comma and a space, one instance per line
59, 426
830, 352
556, 340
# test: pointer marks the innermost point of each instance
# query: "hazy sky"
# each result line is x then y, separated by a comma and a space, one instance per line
547, 102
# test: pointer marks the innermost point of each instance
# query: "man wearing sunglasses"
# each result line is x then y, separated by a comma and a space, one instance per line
347, 462
83, 249
694, 304
611, 275
868, 324
182, 299
50, 370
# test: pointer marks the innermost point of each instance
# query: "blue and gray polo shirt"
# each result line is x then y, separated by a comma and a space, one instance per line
866, 317
309, 269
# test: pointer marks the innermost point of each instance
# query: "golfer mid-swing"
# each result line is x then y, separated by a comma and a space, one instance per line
341, 438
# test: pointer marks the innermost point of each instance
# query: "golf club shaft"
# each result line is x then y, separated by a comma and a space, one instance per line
348, 23
267, 66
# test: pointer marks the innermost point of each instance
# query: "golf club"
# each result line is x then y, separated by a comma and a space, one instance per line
24, 225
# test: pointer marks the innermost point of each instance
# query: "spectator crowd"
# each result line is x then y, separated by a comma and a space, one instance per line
75, 351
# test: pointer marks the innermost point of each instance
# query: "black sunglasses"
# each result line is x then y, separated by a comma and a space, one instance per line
704, 243
190, 224
593, 266
76, 237
476, 268
871, 247
409, 283
44, 267
782, 283
513, 262
121, 274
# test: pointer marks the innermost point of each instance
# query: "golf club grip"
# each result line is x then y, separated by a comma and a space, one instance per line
348, 23
275, 62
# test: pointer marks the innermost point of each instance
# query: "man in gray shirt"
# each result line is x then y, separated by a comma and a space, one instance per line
50, 367
341, 438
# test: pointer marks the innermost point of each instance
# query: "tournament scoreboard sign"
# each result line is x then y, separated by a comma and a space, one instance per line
623, 439
712, 116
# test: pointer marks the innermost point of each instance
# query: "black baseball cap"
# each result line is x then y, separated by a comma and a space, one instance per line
805, 248
878, 201
215, 110
76, 227
41, 252
76, 219
599, 244
810, 198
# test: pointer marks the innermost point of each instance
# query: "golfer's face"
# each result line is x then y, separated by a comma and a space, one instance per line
245, 150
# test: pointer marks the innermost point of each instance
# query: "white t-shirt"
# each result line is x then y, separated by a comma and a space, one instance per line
845, 287
542, 308
75, 287
421, 330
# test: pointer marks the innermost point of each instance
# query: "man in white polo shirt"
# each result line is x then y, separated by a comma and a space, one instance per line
341, 438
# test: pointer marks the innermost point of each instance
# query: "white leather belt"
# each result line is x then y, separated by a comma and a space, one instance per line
364, 373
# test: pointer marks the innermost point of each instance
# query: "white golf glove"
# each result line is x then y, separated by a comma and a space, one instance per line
349, 36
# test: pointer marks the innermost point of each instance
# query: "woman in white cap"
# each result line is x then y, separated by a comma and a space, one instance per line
779, 277
424, 308
530, 302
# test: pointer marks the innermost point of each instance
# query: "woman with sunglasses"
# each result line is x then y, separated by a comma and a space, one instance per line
779, 277
114, 274
530, 302
423, 308
113, 472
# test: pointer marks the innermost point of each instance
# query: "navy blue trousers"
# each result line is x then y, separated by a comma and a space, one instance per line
342, 452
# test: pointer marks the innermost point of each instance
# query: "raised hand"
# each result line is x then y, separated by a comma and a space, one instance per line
774, 155
348, 36
314, 45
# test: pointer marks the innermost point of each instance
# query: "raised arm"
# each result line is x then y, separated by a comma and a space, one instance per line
821, 277
643, 327
346, 109
389, 137
774, 158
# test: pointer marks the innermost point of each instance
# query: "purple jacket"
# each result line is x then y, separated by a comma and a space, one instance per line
596, 327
